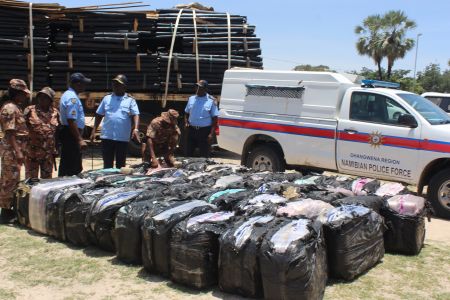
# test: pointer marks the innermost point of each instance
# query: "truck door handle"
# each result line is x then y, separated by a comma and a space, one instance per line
350, 131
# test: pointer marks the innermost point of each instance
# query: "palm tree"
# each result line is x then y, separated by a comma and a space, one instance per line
371, 40
395, 25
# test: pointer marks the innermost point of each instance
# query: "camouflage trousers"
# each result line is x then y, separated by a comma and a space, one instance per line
10, 178
45, 164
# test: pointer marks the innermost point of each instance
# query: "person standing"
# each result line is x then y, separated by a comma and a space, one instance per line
162, 139
42, 120
119, 111
72, 121
13, 145
201, 120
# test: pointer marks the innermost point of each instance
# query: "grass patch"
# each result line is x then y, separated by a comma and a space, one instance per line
31, 261
6, 294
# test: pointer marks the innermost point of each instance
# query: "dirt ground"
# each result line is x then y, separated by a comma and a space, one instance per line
37, 267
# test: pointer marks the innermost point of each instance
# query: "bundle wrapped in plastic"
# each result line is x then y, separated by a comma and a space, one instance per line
194, 249
354, 238
239, 270
308, 208
364, 186
373, 202
101, 215
56, 203
293, 261
263, 204
22, 199
390, 189
76, 208
94, 174
127, 234
405, 219
231, 201
156, 233
37, 207
225, 181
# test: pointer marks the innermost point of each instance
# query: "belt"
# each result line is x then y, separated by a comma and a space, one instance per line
198, 127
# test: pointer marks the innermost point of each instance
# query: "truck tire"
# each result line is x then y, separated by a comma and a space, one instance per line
265, 158
439, 193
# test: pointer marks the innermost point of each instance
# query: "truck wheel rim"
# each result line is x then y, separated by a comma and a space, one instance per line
444, 194
262, 163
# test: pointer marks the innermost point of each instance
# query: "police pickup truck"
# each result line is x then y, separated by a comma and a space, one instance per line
327, 121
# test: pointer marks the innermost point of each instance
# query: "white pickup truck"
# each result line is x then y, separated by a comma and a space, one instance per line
327, 121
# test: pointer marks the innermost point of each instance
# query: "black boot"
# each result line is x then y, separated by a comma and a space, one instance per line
7, 216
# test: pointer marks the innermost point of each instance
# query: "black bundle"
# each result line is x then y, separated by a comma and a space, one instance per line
156, 233
293, 261
194, 249
239, 270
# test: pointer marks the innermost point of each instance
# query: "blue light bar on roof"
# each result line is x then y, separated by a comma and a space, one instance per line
379, 83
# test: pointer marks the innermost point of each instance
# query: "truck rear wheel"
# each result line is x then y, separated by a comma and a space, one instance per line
439, 193
265, 158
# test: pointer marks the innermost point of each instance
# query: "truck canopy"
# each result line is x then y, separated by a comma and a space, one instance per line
300, 94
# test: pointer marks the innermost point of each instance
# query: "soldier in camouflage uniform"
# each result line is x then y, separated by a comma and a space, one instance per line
162, 138
13, 145
42, 120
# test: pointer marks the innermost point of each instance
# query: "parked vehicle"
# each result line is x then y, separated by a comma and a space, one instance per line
440, 99
329, 121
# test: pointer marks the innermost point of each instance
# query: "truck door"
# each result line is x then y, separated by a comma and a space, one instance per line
372, 143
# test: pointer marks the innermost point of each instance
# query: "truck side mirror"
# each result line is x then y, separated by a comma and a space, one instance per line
407, 120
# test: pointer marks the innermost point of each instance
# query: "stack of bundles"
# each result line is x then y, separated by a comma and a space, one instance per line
404, 216
102, 45
239, 266
212, 43
76, 208
156, 233
354, 238
38, 201
194, 249
100, 218
15, 57
293, 260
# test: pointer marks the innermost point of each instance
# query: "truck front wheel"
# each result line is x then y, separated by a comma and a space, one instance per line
265, 158
439, 193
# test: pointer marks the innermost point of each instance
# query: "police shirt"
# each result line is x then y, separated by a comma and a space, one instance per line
70, 108
117, 111
201, 110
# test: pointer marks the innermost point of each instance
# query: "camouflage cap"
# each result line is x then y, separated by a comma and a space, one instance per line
48, 91
20, 85
170, 116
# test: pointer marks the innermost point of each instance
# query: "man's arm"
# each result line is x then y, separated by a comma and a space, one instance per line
135, 130
154, 161
11, 138
76, 133
98, 120
186, 120
213, 129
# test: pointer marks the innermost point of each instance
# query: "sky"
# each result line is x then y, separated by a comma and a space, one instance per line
318, 32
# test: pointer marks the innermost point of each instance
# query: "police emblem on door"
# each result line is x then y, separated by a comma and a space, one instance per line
375, 139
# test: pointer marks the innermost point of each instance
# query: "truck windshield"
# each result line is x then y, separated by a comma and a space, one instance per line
432, 113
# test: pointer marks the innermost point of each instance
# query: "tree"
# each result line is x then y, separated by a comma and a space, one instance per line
370, 41
431, 79
385, 37
395, 45
319, 68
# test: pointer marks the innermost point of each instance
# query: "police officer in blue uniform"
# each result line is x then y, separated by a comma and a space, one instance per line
201, 120
119, 111
72, 120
